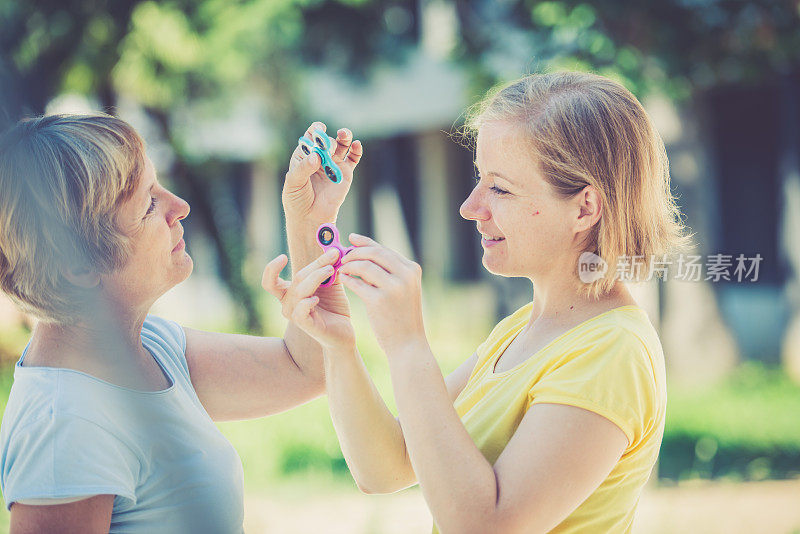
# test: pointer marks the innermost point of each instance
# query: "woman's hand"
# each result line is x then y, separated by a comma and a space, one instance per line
391, 287
309, 197
328, 324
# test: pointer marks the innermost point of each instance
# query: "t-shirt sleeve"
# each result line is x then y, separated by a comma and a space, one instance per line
610, 375
67, 456
169, 338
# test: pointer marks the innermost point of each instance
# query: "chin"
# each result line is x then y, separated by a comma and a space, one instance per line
499, 269
493, 268
184, 270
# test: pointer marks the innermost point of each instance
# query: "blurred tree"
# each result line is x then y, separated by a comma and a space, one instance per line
165, 55
677, 46
160, 56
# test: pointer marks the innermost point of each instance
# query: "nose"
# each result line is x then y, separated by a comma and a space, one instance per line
180, 209
474, 208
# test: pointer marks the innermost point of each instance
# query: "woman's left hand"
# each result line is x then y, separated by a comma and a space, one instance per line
391, 287
309, 197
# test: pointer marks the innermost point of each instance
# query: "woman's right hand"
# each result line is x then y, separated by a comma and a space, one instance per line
329, 325
309, 197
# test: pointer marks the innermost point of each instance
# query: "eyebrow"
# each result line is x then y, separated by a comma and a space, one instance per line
498, 175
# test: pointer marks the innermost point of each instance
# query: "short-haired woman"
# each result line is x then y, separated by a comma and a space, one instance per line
555, 422
109, 426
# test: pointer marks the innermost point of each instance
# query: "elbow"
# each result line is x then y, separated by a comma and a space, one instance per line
373, 488
380, 486
367, 489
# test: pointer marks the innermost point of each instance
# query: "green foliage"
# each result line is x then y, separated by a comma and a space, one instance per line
745, 427
672, 46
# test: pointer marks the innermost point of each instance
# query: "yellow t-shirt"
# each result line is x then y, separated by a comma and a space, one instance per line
611, 364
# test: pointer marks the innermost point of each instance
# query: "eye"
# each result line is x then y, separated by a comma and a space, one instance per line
152, 206
498, 190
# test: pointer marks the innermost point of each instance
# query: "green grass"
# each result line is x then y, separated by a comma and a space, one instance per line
744, 428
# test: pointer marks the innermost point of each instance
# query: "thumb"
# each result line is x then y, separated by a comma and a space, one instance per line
299, 175
271, 281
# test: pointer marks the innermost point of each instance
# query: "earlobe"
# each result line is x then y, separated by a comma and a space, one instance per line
83, 278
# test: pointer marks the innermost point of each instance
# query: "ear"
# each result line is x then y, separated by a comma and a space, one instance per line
590, 206
82, 277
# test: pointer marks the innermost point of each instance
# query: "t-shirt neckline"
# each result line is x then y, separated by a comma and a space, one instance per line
520, 365
18, 368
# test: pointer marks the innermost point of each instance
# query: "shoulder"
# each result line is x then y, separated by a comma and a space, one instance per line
167, 340
625, 334
612, 366
165, 332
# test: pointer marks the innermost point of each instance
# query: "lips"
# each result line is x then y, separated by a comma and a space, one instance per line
485, 236
181, 243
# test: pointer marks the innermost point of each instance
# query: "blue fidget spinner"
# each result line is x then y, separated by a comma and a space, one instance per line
321, 144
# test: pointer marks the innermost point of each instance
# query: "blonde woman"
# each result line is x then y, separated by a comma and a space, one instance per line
109, 426
555, 422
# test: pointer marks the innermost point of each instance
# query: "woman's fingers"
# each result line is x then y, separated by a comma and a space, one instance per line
329, 257
316, 125
362, 240
344, 139
300, 174
355, 153
367, 249
309, 285
302, 312
271, 281
370, 272
359, 287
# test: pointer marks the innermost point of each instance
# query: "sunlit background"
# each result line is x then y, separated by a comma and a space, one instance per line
222, 89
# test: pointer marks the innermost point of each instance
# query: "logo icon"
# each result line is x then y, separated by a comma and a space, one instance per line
591, 267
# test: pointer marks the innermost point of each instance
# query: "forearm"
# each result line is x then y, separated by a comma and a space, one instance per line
302, 244
458, 483
370, 437
303, 349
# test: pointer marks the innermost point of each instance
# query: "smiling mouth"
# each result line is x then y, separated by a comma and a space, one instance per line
493, 239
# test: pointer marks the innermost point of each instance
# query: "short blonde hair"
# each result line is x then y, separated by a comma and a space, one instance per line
62, 180
590, 130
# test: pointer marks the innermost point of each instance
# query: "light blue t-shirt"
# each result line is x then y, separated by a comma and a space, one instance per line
67, 434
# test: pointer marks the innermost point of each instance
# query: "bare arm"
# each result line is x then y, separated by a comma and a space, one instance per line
371, 437
87, 516
243, 377
557, 457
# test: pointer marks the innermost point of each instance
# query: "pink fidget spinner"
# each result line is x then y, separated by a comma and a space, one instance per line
328, 237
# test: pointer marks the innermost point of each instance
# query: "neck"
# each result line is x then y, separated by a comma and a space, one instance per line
560, 298
104, 336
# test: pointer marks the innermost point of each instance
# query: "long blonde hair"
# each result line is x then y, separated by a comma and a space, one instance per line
590, 130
